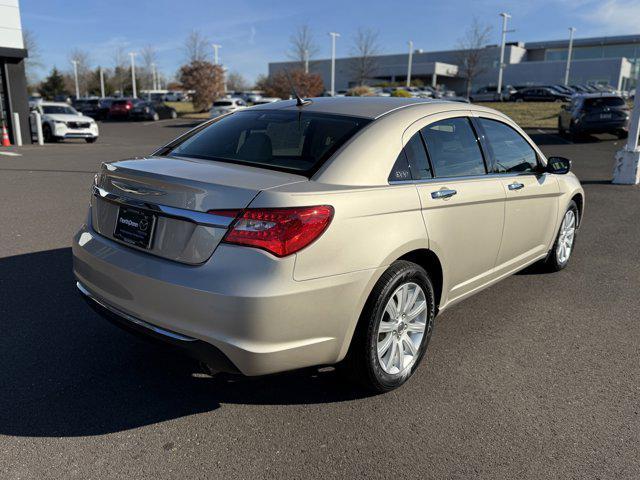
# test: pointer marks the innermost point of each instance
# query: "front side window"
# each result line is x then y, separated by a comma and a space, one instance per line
511, 152
453, 148
297, 142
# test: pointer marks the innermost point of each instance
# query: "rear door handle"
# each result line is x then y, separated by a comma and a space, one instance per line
516, 186
443, 193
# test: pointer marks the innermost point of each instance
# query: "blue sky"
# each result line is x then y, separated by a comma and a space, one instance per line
254, 33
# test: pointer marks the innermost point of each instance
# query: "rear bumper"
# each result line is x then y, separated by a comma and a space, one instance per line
602, 127
242, 301
195, 348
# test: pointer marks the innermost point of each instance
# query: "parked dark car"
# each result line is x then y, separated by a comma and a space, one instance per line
490, 94
120, 109
96, 108
594, 113
540, 94
155, 111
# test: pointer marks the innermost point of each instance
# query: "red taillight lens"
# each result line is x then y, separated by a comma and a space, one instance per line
281, 231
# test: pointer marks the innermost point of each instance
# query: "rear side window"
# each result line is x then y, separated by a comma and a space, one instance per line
297, 142
511, 152
417, 157
453, 148
400, 171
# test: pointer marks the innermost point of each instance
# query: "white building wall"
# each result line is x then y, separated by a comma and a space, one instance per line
10, 25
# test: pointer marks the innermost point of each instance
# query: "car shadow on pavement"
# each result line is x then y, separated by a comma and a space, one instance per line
67, 372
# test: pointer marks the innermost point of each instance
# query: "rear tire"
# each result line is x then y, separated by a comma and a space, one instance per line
559, 257
404, 285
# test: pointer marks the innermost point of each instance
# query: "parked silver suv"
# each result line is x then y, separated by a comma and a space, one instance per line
298, 234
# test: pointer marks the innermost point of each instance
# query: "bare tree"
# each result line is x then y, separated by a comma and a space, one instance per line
364, 51
236, 82
303, 46
84, 68
195, 47
149, 58
472, 56
34, 61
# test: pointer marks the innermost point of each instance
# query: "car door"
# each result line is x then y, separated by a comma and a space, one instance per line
531, 195
462, 207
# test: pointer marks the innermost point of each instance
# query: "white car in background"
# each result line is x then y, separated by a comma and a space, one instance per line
61, 121
226, 105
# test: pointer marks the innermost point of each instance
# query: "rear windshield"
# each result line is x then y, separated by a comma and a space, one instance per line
297, 142
603, 102
222, 104
120, 102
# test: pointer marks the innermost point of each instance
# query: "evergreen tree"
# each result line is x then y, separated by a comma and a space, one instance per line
53, 85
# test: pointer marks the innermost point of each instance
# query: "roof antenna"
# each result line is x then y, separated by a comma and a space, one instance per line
299, 101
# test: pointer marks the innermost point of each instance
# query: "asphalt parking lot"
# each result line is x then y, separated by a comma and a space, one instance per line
536, 377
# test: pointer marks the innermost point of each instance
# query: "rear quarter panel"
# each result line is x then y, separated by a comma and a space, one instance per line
371, 226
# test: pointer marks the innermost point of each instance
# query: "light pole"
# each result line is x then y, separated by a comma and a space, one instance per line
504, 16
153, 77
410, 62
215, 53
569, 52
75, 75
334, 35
306, 61
101, 83
133, 74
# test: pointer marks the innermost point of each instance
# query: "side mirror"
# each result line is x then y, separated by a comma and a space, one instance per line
558, 165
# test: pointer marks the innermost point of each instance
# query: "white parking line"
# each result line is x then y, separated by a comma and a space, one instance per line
11, 154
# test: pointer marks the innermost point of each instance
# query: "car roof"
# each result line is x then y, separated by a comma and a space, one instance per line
597, 95
366, 107
54, 104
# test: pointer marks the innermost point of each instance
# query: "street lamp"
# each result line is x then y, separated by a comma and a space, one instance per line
306, 60
101, 82
75, 75
409, 64
569, 51
215, 53
505, 17
153, 76
133, 74
334, 35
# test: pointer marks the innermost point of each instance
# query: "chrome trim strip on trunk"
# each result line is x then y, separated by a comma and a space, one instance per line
137, 321
201, 218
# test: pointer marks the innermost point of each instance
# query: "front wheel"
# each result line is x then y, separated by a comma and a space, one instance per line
563, 247
394, 328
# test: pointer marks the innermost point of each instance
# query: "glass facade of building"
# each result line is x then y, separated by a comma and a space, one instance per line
629, 50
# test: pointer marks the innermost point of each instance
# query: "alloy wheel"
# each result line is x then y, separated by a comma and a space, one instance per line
402, 328
566, 237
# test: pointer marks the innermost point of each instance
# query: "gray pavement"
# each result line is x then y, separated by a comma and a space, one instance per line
536, 377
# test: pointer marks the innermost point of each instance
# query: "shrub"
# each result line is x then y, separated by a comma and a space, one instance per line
401, 93
361, 91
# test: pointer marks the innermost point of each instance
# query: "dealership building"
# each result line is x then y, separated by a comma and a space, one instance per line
13, 82
602, 60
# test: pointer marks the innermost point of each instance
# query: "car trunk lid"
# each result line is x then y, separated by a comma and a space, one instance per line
178, 192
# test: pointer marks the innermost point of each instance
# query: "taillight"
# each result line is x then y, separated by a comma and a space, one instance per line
281, 231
